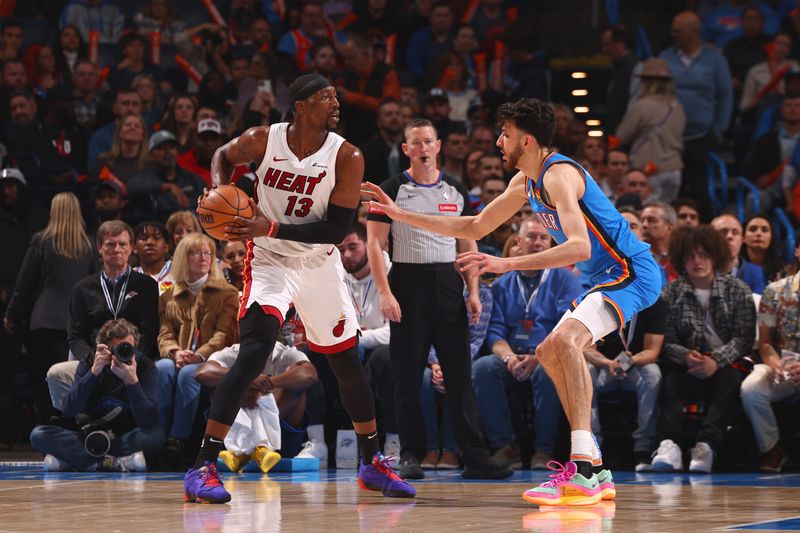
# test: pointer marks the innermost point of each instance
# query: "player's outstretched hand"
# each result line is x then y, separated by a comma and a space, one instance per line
380, 203
248, 228
482, 262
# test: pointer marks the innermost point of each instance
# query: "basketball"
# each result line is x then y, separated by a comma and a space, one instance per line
220, 207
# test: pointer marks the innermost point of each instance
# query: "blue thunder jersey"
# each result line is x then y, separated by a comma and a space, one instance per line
613, 243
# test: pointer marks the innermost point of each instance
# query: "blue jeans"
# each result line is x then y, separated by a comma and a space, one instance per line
67, 445
645, 381
427, 398
178, 397
491, 378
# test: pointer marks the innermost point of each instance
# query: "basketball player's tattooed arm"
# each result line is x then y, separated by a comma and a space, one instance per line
342, 207
247, 148
564, 186
465, 227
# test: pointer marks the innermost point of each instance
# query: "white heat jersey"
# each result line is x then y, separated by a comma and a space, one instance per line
293, 191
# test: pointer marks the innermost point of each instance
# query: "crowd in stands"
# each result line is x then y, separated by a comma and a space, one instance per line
110, 114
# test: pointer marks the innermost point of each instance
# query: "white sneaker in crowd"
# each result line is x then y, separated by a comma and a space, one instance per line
702, 458
668, 457
134, 462
315, 449
391, 448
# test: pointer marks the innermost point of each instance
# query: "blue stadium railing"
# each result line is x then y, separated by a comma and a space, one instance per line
717, 169
782, 225
643, 48
743, 186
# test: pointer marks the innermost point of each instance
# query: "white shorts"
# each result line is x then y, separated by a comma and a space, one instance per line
313, 283
594, 313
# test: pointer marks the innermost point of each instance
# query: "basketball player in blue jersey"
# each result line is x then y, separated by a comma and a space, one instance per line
591, 234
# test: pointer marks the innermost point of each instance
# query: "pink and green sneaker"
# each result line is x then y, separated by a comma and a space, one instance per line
608, 490
566, 487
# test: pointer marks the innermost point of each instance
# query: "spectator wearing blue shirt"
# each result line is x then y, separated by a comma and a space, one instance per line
527, 306
724, 23
427, 45
704, 89
731, 229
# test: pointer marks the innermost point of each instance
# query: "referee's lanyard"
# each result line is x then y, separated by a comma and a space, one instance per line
116, 307
523, 332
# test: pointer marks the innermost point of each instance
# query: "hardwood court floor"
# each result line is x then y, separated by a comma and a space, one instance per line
331, 501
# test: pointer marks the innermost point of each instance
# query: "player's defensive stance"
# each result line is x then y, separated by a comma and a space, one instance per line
307, 193
590, 233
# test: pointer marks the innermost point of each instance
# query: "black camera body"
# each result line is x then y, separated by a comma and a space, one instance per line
124, 352
97, 434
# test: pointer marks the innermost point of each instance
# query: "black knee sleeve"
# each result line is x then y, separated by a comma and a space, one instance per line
354, 388
258, 332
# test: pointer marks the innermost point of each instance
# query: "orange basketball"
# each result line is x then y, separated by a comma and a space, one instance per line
219, 208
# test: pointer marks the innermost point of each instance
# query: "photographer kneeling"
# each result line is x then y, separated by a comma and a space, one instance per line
110, 417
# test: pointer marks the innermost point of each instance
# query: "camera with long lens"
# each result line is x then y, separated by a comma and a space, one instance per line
124, 352
97, 434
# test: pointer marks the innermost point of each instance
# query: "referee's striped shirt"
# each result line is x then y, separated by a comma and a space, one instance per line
410, 244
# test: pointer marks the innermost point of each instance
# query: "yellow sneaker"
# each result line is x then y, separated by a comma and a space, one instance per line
266, 458
235, 463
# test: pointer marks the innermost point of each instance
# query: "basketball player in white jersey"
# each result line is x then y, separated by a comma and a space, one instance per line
307, 194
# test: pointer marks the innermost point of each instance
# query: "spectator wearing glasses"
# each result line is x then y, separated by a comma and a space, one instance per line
198, 317
116, 292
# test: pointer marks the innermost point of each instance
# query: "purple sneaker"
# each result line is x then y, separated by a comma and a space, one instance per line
203, 485
379, 476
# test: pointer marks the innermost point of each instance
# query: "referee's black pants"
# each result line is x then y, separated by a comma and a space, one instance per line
433, 313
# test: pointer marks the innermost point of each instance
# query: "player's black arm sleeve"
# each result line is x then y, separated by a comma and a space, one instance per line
330, 231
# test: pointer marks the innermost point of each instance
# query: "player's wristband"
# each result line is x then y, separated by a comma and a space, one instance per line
271, 229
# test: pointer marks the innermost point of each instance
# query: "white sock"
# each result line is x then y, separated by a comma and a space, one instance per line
597, 455
582, 446
316, 432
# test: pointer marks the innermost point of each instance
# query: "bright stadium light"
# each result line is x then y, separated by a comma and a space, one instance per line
580, 92
593, 122
581, 109
595, 133
579, 75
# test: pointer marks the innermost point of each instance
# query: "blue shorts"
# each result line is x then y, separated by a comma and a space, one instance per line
628, 292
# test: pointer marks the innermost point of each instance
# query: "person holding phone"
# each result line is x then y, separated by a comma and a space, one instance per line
626, 360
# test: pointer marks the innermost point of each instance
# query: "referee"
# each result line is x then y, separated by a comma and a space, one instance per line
424, 301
